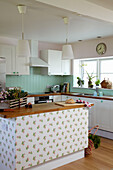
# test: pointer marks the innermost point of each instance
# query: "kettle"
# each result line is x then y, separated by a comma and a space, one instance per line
55, 88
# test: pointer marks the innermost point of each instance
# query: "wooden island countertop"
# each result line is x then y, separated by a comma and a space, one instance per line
36, 109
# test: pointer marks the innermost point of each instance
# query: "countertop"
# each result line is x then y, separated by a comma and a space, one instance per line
72, 94
37, 108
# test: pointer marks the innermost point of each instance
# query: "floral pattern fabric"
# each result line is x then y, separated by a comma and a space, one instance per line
43, 137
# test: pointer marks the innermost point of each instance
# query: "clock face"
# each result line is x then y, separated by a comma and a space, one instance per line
101, 48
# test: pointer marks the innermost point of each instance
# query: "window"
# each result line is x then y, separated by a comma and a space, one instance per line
100, 68
90, 67
106, 69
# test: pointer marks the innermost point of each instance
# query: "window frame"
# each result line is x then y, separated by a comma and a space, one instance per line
98, 71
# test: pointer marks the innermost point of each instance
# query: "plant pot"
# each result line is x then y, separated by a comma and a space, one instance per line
4, 104
14, 103
90, 85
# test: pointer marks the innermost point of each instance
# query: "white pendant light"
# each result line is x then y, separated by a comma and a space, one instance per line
67, 52
23, 49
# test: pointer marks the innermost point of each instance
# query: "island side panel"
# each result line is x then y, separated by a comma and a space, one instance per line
46, 136
30, 140
7, 143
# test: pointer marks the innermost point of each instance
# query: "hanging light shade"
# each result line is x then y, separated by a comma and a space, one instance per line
67, 52
23, 49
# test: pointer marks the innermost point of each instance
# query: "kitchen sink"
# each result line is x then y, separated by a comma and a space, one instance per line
84, 94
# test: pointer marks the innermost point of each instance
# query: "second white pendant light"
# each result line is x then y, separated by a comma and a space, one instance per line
23, 49
67, 52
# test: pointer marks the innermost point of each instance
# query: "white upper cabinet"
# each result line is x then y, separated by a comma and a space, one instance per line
22, 65
53, 58
8, 52
14, 65
66, 67
57, 65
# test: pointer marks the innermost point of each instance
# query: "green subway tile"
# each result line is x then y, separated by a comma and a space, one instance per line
33, 82
37, 83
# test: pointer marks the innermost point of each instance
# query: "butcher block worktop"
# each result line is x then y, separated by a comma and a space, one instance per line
38, 108
73, 94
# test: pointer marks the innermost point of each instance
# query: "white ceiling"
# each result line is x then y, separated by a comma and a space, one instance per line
104, 3
45, 22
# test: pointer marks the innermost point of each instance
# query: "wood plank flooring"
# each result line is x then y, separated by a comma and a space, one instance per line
100, 159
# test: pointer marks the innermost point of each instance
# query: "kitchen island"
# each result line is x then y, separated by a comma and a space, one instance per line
46, 135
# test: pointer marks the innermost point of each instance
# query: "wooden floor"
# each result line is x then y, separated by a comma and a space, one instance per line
100, 159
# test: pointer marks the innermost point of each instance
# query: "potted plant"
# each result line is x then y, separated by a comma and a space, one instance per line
97, 82
80, 82
12, 98
90, 78
95, 139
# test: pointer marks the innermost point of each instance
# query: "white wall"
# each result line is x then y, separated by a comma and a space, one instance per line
8, 41
87, 49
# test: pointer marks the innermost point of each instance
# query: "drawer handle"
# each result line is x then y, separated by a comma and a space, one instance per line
101, 101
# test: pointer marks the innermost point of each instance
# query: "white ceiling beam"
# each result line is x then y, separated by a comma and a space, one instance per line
82, 7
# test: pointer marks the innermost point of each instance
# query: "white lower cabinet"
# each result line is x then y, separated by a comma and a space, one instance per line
57, 98
104, 114
31, 100
65, 97
101, 113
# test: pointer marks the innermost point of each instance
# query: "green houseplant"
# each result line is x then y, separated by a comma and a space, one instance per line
97, 82
95, 139
90, 79
80, 82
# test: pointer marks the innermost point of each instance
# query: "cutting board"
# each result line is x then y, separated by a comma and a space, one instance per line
64, 104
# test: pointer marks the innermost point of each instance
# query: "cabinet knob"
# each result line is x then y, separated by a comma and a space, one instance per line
101, 101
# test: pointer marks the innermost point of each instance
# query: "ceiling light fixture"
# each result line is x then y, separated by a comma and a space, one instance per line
23, 49
67, 52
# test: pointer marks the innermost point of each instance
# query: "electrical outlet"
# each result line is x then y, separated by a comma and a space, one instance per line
48, 86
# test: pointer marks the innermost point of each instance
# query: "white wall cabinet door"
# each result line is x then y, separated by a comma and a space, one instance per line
54, 61
14, 65
8, 52
53, 58
22, 65
66, 67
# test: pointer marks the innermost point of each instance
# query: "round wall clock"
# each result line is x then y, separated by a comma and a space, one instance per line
101, 48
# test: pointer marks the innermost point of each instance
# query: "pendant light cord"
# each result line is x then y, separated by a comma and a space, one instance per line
66, 24
67, 33
22, 26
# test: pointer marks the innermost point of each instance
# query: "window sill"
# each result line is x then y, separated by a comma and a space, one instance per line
91, 88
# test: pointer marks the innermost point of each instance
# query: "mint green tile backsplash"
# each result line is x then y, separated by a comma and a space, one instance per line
34, 82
